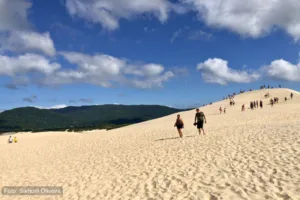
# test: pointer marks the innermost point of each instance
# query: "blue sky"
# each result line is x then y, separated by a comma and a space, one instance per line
177, 53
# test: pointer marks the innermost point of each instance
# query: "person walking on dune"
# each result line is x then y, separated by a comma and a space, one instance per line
199, 120
272, 102
220, 109
261, 104
292, 95
179, 124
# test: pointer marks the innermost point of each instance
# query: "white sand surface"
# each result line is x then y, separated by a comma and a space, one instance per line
245, 155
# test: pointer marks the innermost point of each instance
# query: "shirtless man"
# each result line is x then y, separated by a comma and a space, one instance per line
179, 125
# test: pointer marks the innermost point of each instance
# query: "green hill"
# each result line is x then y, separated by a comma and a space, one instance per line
79, 118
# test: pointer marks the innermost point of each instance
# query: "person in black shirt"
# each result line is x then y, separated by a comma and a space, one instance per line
199, 120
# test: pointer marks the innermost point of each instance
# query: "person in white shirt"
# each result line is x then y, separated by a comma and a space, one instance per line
10, 140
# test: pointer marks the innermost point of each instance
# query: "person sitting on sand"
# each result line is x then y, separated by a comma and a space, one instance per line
10, 140
179, 124
15, 139
285, 99
199, 120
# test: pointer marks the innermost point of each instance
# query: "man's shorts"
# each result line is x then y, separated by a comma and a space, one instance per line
200, 124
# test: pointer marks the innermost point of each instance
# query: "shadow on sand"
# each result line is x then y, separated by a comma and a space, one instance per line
172, 138
191, 136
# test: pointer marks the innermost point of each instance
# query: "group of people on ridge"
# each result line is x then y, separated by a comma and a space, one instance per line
200, 119
255, 104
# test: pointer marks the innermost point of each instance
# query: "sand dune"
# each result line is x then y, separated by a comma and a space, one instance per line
245, 155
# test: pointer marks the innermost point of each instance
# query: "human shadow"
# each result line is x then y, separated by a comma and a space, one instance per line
172, 138
191, 136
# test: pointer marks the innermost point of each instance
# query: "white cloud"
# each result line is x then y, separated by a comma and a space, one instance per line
12, 66
109, 12
156, 81
216, 70
20, 41
283, 70
16, 31
106, 71
145, 70
250, 18
13, 15
60, 106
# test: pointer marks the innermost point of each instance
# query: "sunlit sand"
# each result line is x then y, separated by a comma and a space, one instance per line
245, 155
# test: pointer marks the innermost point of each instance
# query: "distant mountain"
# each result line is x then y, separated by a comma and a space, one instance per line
1, 110
79, 118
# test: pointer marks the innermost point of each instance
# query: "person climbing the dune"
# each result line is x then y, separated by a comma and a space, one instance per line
179, 125
261, 104
272, 102
199, 120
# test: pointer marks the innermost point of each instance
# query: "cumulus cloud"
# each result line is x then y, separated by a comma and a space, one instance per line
109, 12
26, 41
145, 70
16, 31
11, 66
252, 18
217, 71
283, 70
13, 15
156, 81
100, 69
106, 70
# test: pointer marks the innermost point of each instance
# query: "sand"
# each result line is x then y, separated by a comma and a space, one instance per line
245, 155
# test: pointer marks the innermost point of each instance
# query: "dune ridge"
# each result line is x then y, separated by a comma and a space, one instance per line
245, 155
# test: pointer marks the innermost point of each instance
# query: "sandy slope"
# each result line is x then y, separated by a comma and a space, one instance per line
250, 155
